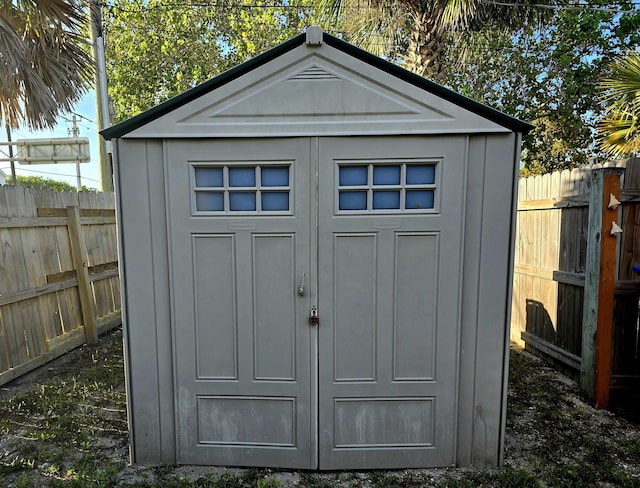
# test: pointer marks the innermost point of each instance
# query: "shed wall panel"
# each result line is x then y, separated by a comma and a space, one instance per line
157, 202
147, 326
471, 274
493, 289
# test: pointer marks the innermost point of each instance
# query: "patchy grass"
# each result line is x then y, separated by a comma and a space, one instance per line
65, 426
558, 438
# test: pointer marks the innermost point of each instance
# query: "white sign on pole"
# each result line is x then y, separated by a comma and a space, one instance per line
53, 151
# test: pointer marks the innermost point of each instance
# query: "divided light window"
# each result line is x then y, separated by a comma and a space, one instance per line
258, 188
387, 187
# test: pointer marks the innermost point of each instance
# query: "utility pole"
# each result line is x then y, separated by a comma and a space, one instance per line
102, 98
13, 162
75, 133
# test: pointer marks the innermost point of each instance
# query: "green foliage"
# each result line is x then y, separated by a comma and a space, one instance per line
619, 128
157, 49
42, 183
548, 73
416, 34
45, 183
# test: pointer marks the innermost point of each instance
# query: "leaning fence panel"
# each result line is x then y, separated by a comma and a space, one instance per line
50, 299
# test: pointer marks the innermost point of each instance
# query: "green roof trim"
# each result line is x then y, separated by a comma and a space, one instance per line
467, 103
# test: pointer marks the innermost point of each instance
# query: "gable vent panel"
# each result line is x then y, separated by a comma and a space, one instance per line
314, 73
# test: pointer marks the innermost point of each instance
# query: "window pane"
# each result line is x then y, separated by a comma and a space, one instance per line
386, 199
242, 201
277, 200
278, 176
417, 199
386, 175
353, 175
209, 177
242, 177
421, 174
209, 201
353, 200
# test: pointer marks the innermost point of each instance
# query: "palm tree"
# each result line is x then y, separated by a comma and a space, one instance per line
619, 129
415, 31
44, 62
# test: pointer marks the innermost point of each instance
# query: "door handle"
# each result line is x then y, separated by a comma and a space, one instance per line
301, 287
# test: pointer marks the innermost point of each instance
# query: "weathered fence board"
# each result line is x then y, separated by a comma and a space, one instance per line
550, 264
50, 301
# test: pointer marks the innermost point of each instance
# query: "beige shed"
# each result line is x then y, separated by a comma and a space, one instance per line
317, 252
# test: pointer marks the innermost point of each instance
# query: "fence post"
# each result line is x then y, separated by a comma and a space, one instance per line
600, 280
78, 255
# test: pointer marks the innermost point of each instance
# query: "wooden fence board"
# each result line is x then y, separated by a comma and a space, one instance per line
80, 264
47, 243
551, 258
14, 271
40, 318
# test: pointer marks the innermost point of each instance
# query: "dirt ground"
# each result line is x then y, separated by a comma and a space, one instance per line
65, 425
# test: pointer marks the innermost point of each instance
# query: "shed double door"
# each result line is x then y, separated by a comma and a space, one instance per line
367, 232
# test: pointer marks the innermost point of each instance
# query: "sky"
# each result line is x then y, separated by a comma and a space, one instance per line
89, 172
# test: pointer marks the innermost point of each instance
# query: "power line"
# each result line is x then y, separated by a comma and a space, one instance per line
574, 7
307, 9
223, 4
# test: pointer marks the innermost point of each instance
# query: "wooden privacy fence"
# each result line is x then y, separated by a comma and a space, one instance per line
575, 295
59, 284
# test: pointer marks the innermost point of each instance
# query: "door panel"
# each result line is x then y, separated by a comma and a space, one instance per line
354, 301
239, 220
390, 227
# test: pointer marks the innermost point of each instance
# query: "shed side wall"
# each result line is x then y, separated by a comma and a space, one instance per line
485, 289
147, 323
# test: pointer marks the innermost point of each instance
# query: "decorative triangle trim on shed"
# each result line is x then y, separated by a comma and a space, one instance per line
329, 89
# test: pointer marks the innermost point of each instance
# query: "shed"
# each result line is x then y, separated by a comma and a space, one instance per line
317, 250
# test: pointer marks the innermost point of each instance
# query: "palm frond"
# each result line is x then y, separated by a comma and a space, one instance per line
619, 134
374, 25
42, 51
458, 14
624, 84
619, 128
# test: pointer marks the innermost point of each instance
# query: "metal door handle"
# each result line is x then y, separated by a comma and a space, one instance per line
301, 287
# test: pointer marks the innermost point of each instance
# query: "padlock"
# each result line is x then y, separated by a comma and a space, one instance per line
313, 317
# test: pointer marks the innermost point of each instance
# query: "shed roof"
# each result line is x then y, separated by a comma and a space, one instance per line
501, 119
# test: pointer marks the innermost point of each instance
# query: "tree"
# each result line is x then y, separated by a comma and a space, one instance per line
157, 49
417, 33
548, 74
41, 183
44, 63
619, 128
539, 61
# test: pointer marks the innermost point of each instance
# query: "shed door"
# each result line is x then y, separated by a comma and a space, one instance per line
390, 234
371, 229
239, 220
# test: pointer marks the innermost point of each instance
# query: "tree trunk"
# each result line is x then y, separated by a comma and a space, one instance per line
426, 45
